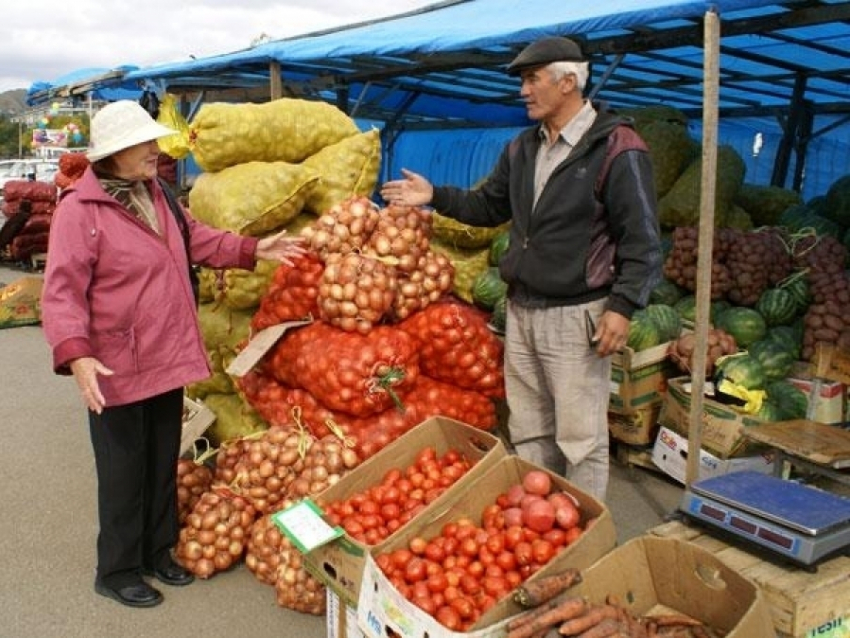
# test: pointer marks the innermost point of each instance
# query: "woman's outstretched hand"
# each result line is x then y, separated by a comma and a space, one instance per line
280, 247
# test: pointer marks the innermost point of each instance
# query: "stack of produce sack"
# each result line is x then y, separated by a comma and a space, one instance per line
71, 168
32, 236
387, 345
267, 167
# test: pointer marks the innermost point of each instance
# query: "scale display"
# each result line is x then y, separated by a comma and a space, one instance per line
796, 521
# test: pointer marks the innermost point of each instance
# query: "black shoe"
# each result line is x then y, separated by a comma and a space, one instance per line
171, 574
138, 594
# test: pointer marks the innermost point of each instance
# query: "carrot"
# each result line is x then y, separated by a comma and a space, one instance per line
537, 592
651, 629
672, 620
565, 610
595, 615
605, 629
529, 615
699, 632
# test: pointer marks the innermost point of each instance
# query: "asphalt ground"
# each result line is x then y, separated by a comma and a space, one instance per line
49, 523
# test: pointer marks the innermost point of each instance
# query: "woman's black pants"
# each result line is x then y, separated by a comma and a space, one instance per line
136, 447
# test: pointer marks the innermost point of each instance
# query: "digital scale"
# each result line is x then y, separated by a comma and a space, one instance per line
799, 523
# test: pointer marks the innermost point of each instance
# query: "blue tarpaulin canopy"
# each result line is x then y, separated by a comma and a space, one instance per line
784, 75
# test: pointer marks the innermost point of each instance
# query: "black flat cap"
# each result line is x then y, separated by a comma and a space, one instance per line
544, 51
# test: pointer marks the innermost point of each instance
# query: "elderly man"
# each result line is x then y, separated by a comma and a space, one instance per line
584, 254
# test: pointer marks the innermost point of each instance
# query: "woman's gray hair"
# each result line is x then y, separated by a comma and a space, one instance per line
578, 69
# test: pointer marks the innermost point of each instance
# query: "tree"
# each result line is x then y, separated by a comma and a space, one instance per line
9, 140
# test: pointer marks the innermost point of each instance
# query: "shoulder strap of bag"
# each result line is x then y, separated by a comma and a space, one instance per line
183, 224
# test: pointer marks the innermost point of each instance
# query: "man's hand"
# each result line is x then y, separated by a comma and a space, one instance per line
612, 333
413, 190
85, 370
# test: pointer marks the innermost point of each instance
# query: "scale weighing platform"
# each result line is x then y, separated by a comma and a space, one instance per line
800, 523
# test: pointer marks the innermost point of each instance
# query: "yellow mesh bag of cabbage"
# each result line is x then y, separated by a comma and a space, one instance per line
459, 235
468, 263
283, 130
253, 198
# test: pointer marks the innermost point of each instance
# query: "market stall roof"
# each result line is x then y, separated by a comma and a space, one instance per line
94, 83
444, 64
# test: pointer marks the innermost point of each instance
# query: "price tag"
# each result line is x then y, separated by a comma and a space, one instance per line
303, 524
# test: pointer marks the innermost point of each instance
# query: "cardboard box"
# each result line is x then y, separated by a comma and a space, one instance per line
638, 428
341, 618
657, 575
339, 564
639, 379
196, 419
20, 302
826, 398
382, 609
802, 603
670, 454
722, 425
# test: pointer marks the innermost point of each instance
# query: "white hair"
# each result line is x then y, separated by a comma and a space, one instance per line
578, 69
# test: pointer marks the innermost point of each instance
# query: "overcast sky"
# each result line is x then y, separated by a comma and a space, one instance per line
44, 40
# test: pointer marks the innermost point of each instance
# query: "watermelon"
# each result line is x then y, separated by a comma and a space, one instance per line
798, 286
778, 306
775, 359
643, 332
788, 337
687, 308
791, 400
666, 292
837, 204
769, 411
741, 369
746, 325
488, 288
794, 217
666, 318
498, 247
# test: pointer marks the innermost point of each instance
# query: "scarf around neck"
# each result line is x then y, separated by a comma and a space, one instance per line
134, 196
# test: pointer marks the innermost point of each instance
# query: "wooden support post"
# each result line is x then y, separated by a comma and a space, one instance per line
711, 84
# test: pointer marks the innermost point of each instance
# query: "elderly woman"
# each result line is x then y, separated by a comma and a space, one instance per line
119, 313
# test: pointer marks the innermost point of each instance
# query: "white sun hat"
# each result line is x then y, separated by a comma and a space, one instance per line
120, 125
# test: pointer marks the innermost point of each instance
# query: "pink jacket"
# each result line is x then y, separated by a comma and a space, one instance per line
117, 291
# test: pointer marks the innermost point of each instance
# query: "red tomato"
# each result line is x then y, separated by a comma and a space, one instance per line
522, 552
437, 582
415, 570
425, 603
513, 536
537, 482
463, 606
573, 534
567, 515
542, 551
506, 560
417, 545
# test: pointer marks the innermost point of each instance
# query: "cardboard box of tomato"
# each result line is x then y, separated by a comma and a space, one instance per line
382, 610
339, 564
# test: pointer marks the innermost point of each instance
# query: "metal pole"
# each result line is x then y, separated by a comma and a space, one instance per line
706, 238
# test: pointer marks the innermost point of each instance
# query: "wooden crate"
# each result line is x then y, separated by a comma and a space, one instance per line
802, 603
